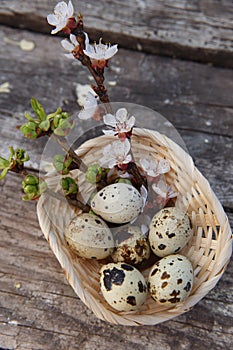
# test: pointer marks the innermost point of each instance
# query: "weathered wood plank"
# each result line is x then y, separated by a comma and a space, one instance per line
200, 30
192, 96
39, 310
196, 98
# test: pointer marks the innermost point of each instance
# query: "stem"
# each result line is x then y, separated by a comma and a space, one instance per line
98, 74
66, 147
133, 170
74, 202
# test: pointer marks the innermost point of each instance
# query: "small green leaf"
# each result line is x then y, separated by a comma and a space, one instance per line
29, 130
38, 109
42, 187
29, 197
3, 173
69, 186
4, 163
44, 125
52, 115
29, 117
59, 132
58, 162
30, 180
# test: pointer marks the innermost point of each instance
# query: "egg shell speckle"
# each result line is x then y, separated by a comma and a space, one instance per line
170, 280
118, 203
89, 237
123, 286
132, 246
170, 231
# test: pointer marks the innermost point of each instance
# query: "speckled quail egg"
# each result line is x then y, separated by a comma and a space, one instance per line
132, 246
170, 231
171, 279
89, 237
123, 286
118, 203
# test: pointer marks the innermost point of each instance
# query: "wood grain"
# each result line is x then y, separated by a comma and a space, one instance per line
199, 30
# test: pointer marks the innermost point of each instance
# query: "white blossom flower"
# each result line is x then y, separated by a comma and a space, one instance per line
62, 13
70, 46
164, 190
89, 107
99, 53
155, 167
120, 122
116, 154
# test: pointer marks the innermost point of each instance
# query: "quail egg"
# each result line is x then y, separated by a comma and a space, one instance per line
123, 286
89, 237
170, 280
170, 231
132, 246
117, 203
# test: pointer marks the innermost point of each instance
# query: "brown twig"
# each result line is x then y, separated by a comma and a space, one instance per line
97, 73
66, 147
20, 170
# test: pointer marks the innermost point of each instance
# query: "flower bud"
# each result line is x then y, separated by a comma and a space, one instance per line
69, 186
30, 180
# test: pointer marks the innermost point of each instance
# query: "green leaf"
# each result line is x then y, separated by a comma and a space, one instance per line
30, 180
42, 187
58, 162
52, 115
4, 163
59, 132
3, 173
44, 125
29, 117
29, 197
69, 186
29, 130
38, 109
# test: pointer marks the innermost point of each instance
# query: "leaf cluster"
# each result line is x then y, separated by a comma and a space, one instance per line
33, 187
58, 122
14, 162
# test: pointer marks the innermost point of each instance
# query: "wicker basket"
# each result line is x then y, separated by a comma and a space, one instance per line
209, 250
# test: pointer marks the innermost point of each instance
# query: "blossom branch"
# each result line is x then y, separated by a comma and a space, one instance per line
97, 73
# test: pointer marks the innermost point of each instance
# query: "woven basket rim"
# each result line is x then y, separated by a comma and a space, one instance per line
223, 242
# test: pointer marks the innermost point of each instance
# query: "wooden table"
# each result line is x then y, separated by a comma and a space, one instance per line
175, 57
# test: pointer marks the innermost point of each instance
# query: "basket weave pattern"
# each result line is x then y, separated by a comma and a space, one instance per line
209, 250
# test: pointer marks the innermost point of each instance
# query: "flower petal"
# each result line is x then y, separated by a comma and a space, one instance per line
109, 119
85, 114
111, 52
70, 9
127, 159
131, 121
61, 8
90, 101
74, 40
59, 27
52, 20
109, 132
144, 164
67, 45
121, 114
